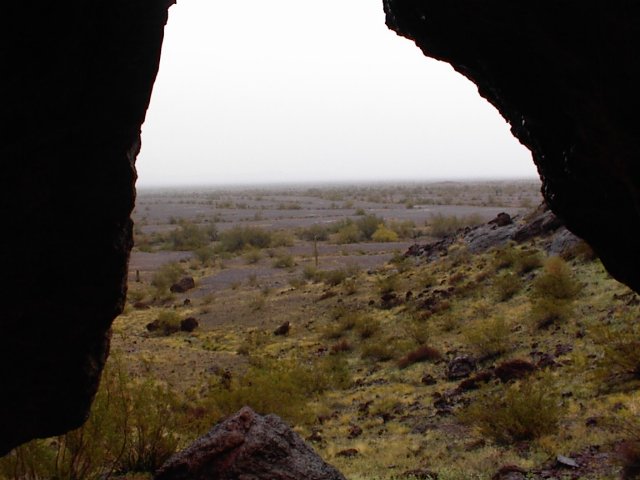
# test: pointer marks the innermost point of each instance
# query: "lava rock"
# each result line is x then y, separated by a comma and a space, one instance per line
248, 445
510, 472
460, 367
421, 474
514, 370
189, 324
502, 220
354, 431
282, 329
183, 285
348, 452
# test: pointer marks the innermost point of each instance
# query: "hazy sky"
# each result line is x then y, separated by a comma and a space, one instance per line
300, 90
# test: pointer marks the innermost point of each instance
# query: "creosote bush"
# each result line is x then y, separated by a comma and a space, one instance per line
167, 275
524, 410
442, 225
489, 337
619, 364
131, 428
240, 237
167, 322
556, 281
282, 387
506, 285
552, 293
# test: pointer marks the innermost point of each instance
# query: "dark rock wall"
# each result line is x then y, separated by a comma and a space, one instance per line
564, 74
75, 85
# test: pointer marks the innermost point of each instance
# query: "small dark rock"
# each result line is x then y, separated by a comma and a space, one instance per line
421, 474
186, 302
514, 370
473, 383
141, 306
189, 324
354, 431
502, 220
563, 349
349, 453
183, 285
460, 367
510, 472
428, 379
283, 329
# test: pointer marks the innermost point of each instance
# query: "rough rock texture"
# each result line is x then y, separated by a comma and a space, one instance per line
564, 75
248, 446
76, 81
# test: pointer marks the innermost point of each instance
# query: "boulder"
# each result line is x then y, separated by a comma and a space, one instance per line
248, 446
282, 329
183, 285
189, 324
460, 367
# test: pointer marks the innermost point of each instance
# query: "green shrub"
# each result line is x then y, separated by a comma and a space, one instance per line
167, 322
388, 284
527, 261
284, 260
282, 387
316, 232
368, 225
189, 236
384, 234
348, 234
556, 281
443, 225
552, 293
204, 254
167, 275
367, 327
281, 239
404, 229
252, 256
549, 311
506, 285
619, 362
488, 338
521, 411
309, 272
238, 238
132, 427
334, 277
379, 351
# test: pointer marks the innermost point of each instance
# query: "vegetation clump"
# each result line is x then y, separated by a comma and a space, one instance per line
552, 293
524, 410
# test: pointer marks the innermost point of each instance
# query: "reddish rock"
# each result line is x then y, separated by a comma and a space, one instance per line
348, 452
248, 446
514, 370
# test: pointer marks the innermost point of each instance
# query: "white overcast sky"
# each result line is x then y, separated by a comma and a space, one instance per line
259, 91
